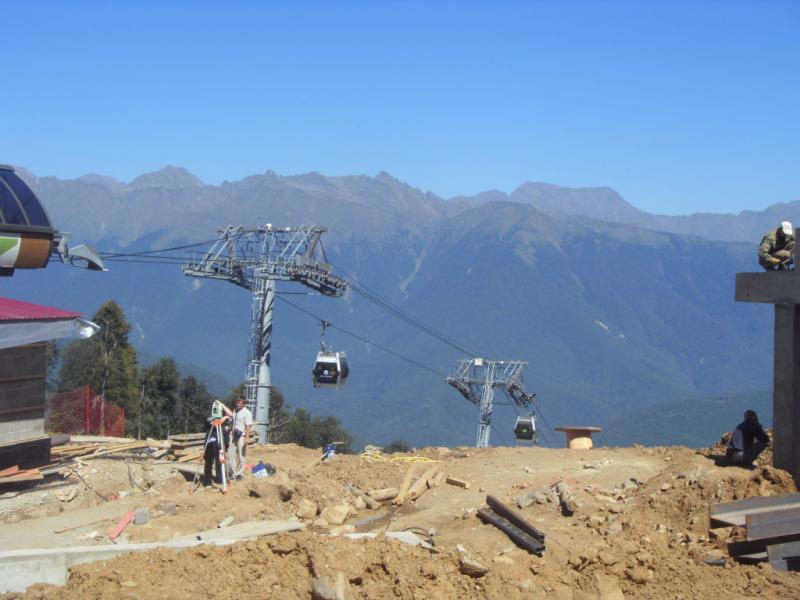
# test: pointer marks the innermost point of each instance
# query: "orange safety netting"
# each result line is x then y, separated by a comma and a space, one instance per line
82, 411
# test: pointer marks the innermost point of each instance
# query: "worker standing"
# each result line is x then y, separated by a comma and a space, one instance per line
237, 451
776, 251
215, 441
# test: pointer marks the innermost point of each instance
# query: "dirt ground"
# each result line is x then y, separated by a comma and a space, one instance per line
640, 530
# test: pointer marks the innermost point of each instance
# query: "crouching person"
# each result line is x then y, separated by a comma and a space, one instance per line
748, 441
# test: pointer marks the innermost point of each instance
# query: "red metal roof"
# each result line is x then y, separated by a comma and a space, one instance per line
17, 310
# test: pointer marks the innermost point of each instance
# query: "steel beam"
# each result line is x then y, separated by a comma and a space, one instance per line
519, 537
773, 524
734, 513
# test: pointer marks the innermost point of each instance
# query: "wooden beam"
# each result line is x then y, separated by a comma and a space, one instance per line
401, 495
458, 482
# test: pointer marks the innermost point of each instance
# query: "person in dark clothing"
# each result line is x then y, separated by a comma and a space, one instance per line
748, 440
211, 452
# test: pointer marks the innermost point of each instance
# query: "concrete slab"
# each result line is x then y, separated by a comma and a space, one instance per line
20, 569
770, 287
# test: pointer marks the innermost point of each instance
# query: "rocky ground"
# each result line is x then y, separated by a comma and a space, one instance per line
640, 529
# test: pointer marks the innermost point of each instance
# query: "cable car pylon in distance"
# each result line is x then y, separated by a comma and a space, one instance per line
477, 378
330, 369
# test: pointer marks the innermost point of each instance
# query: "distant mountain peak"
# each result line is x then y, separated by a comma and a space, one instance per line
169, 177
101, 180
386, 177
602, 203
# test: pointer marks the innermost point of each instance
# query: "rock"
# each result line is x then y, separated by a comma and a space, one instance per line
283, 544
225, 522
665, 486
471, 567
528, 498
359, 503
141, 515
168, 508
337, 514
616, 509
322, 588
68, 496
637, 575
270, 488
503, 560
607, 558
596, 520
320, 522
608, 587
307, 509
614, 527
468, 512
342, 529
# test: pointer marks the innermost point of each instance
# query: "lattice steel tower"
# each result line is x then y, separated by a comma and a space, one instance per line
255, 258
477, 378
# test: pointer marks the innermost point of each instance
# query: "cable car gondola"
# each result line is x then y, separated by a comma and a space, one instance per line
525, 428
330, 368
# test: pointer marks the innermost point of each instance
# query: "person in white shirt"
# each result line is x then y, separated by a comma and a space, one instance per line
237, 451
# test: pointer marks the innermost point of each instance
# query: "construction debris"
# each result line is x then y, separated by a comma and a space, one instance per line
565, 497
458, 482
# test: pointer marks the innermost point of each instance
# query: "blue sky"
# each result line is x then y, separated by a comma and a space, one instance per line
679, 106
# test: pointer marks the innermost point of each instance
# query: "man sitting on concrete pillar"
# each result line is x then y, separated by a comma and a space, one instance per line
748, 440
776, 251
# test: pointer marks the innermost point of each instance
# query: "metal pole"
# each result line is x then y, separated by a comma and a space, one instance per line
486, 408
264, 355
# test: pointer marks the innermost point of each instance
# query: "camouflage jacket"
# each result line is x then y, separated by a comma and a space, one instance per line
770, 245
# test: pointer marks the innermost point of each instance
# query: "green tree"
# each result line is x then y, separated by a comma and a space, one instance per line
315, 432
194, 405
158, 405
397, 446
106, 361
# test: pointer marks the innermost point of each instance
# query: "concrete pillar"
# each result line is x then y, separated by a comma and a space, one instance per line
785, 387
781, 288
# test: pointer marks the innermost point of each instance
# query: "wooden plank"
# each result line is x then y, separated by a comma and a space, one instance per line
734, 513
371, 503
384, 494
29, 475
772, 524
401, 495
419, 487
9, 471
189, 457
458, 482
124, 522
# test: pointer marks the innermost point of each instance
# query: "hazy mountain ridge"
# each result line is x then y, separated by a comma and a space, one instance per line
610, 316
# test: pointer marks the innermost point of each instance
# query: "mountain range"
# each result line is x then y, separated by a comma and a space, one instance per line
615, 309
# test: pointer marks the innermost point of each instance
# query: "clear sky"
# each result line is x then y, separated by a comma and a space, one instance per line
680, 106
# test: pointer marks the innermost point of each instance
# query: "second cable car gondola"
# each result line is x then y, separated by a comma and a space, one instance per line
525, 428
330, 369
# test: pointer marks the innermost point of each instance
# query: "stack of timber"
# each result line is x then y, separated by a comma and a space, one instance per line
16, 475
771, 529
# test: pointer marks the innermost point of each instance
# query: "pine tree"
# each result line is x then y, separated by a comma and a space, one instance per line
106, 361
